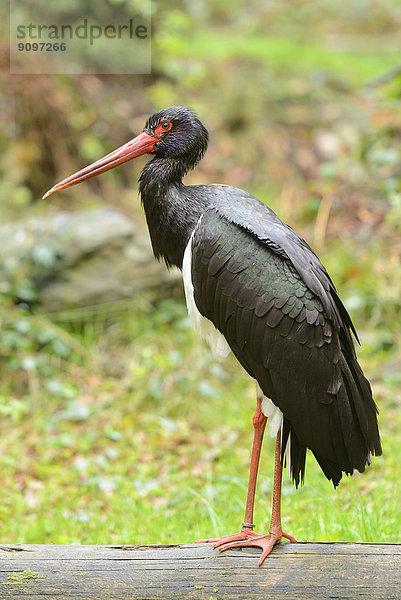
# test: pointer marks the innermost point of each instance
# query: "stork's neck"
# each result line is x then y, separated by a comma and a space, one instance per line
172, 209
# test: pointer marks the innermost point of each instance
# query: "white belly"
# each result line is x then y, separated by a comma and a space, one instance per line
203, 326
217, 341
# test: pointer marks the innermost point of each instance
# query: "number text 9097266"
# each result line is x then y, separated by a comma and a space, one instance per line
41, 47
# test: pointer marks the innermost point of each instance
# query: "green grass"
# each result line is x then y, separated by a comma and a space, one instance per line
149, 441
363, 62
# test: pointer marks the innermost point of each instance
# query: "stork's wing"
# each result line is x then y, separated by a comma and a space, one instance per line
268, 294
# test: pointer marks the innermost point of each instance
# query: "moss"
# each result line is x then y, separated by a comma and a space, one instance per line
19, 577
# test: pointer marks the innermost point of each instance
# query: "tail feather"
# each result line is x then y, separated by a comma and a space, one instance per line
353, 423
353, 428
363, 404
297, 453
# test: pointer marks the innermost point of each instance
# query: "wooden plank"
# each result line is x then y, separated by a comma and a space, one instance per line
312, 571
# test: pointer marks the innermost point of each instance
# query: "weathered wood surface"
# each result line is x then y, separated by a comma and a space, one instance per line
306, 570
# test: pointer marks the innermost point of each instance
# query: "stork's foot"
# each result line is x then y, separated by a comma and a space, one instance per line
266, 542
247, 537
245, 534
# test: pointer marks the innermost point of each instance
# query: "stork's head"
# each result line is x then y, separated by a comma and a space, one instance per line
181, 133
172, 133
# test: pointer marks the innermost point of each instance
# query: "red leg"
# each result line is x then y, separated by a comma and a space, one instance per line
259, 424
275, 535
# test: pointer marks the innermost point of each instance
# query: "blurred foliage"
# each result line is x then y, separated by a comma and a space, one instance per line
294, 108
86, 51
302, 103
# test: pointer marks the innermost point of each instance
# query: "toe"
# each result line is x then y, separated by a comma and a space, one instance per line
239, 544
266, 552
289, 537
223, 541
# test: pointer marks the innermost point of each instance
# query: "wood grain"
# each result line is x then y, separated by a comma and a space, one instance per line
305, 570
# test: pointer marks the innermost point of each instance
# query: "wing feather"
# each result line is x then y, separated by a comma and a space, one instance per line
291, 334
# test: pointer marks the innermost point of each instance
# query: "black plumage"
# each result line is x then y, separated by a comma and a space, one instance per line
269, 295
295, 342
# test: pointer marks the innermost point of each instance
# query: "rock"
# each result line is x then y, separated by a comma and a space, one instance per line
78, 259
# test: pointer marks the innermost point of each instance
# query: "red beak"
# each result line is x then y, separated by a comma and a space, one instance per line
142, 144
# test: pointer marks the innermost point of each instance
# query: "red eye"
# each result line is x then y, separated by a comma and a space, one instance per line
163, 127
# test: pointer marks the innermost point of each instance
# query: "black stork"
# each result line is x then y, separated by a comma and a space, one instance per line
254, 287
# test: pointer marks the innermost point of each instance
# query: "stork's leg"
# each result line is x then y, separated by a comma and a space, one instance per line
259, 424
275, 535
